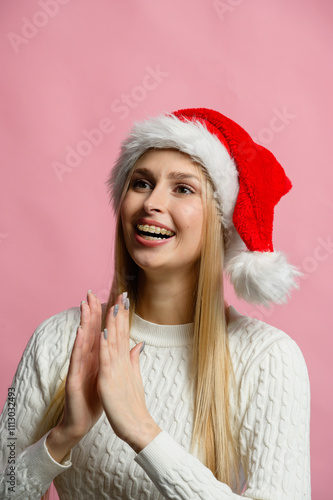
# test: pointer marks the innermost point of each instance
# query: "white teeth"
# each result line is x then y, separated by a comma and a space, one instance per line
150, 238
154, 229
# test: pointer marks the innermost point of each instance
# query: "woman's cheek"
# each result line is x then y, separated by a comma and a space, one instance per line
194, 215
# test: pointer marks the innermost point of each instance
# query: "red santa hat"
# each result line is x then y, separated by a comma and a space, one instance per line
248, 182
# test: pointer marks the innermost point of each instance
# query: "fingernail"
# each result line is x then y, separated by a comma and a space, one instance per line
124, 297
115, 312
105, 333
142, 347
127, 304
83, 302
89, 291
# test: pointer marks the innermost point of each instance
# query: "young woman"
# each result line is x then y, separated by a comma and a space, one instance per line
170, 393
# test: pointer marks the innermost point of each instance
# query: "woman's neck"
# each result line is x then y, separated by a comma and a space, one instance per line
167, 301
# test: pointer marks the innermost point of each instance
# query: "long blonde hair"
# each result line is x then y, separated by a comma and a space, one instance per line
211, 370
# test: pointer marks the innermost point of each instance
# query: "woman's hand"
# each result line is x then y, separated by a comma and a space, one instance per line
83, 406
120, 385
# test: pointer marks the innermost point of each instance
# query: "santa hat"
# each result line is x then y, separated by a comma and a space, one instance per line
248, 182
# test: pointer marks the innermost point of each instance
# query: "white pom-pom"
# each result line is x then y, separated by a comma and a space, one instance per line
261, 277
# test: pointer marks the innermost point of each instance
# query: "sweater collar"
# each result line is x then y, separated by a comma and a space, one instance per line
170, 335
161, 335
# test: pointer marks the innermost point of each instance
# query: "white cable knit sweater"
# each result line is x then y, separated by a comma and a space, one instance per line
273, 412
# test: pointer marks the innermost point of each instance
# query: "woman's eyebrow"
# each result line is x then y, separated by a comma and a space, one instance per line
172, 175
142, 171
182, 175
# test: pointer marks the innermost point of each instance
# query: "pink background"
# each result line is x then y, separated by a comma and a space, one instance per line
70, 67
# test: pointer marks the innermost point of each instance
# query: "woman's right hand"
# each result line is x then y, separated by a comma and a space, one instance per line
83, 407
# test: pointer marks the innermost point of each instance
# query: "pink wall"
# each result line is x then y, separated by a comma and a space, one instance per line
72, 67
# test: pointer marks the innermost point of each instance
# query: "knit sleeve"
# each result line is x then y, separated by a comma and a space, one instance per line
26, 467
274, 438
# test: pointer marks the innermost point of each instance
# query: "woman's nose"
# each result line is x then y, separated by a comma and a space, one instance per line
156, 201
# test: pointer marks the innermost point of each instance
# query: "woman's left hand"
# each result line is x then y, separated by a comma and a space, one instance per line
120, 385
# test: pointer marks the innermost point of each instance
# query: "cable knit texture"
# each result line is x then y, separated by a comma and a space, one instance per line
272, 411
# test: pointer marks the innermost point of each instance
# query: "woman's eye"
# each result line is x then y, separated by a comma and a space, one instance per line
141, 184
184, 189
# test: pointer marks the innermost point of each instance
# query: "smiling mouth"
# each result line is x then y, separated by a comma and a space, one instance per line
153, 233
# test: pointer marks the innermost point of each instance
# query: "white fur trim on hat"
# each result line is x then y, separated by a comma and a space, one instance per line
189, 137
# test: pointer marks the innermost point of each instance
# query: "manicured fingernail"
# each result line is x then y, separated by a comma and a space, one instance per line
127, 304
142, 347
115, 312
105, 333
89, 291
83, 302
124, 297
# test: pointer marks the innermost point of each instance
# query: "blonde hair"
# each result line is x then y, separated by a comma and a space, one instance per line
211, 372
211, 367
